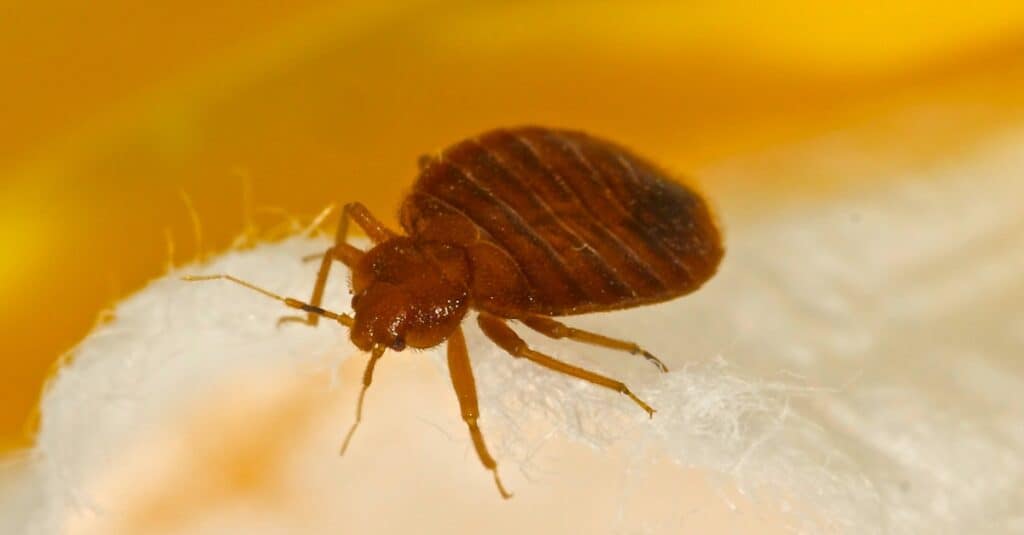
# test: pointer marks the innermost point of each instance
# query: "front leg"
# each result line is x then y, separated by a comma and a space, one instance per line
343, 252
465, 389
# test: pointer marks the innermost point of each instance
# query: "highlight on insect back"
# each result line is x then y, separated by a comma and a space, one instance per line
492, 268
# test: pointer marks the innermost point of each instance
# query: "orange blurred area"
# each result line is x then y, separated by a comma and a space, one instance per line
113, 109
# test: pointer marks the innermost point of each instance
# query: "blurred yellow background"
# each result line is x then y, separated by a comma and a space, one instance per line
112, 108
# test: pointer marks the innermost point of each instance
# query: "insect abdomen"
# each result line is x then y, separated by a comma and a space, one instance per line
590, 226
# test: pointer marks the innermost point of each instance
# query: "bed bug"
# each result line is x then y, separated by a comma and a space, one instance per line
522, 224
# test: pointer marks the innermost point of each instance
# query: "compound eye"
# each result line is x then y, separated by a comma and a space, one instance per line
398, 344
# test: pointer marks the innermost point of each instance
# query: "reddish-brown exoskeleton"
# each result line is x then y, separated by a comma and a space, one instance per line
521, 224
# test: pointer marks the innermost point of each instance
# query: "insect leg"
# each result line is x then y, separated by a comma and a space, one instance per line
378, 350
343, 319
362, 216
343, 252
553, 329
497, 330
465, 389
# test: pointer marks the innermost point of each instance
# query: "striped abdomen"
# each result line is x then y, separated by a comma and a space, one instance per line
580, 224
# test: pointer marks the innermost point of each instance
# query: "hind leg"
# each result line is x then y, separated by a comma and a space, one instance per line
497, 330
553, 329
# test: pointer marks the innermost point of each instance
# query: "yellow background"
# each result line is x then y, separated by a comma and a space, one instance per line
111, 109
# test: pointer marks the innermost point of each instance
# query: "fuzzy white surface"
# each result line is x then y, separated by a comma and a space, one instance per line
854, 368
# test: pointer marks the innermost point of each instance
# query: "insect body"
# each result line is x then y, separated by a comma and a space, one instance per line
519, 224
